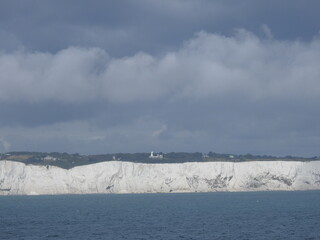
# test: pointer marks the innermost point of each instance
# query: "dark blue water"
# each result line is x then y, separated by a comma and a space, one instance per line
260, 215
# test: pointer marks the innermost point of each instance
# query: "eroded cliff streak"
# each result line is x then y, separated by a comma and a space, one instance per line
126, 177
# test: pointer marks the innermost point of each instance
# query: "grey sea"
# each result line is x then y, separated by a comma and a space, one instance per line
254, 215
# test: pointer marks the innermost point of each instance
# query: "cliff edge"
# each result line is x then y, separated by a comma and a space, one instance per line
127, 177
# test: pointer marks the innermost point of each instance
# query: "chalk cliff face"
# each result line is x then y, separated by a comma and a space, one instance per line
126, 177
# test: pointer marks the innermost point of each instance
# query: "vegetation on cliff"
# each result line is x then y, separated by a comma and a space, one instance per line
67, 161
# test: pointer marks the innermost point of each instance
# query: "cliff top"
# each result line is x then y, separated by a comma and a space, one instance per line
67, 161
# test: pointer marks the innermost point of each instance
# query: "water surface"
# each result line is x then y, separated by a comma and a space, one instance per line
255, 215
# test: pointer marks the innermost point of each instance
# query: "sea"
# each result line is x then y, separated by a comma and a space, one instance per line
218, 215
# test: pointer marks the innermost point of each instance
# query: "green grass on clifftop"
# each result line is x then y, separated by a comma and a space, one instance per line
67, 161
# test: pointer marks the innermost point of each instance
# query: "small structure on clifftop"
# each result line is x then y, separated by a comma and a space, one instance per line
49, 158
155, 156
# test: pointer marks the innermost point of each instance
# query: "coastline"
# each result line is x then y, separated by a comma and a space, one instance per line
126, 177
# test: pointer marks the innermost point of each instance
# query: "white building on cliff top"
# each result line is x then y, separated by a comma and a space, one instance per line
155, 156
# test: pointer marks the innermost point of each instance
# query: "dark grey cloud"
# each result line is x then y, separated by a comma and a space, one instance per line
128, 76
123, 28
240, 93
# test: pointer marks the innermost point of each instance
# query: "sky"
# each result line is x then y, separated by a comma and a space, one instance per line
226, 76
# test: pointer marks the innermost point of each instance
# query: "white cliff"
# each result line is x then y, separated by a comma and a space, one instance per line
126, 177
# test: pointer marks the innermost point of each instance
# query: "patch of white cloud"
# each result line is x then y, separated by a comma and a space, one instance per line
206, 66
5, 144
158, 132
266, 31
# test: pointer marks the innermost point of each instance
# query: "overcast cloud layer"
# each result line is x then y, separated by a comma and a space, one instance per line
253, 87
